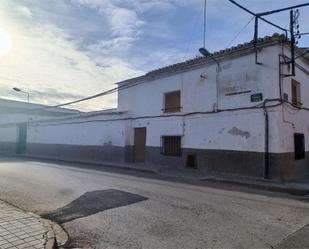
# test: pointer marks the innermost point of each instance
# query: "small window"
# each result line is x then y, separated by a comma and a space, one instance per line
299, 146
191, 161
296, 100
172, 102
171, 145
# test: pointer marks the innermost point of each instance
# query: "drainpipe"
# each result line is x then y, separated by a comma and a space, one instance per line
266, 157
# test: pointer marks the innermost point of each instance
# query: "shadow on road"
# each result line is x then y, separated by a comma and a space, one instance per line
91, 203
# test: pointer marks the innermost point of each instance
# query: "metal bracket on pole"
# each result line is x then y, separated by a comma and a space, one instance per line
260, 16
255, 40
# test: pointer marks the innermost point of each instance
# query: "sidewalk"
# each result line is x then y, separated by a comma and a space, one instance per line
19, 229
296, 188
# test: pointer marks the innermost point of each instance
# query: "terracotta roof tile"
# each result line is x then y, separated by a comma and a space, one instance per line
201, 60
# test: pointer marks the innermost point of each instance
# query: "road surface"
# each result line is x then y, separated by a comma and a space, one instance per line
111, 208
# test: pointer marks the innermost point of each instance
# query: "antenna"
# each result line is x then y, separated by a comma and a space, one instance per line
204, 34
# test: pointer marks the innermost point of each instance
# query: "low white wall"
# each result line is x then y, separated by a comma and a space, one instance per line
237, 130
90, 133
8, 134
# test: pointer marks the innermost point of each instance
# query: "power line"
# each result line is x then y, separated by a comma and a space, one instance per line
110, 91
255, 15
240, 32
302, 54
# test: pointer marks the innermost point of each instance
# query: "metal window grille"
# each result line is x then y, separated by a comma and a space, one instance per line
171, 145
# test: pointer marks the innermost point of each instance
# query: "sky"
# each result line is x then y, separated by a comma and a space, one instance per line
63, 50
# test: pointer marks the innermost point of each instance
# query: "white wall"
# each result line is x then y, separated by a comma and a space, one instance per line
198, 94
23, 118
236, 130
242, 130
92, 133
292, 119
8, 134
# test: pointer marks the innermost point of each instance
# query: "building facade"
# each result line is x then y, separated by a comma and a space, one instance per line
15, 116
222, 113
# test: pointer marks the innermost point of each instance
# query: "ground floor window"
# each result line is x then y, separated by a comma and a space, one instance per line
299, 146
171, 145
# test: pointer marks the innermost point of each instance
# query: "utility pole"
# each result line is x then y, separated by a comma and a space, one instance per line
292, 42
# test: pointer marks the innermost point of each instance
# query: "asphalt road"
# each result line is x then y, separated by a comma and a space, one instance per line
108, 208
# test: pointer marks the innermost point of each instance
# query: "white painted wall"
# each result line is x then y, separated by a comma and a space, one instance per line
8, 134
198, 94
241, 130
92, 133
293, 120
22, 118
211, 131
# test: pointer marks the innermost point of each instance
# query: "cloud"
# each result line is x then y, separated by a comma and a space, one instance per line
64, 50
122, 21
48, 63
24, 11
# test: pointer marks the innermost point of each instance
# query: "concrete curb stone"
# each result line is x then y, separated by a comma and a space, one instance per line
20, 229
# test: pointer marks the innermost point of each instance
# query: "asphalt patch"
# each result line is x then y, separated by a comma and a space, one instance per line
91, 203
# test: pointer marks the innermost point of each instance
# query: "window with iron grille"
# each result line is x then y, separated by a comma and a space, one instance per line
171, 145
172, 102
299, 146
296, 100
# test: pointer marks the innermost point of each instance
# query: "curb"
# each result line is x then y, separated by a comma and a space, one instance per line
53, 235
56, 237
104, 164
263, 185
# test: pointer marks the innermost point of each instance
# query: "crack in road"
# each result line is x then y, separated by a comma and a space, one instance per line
298, 239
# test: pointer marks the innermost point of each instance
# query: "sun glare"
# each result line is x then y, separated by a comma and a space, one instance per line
5, 43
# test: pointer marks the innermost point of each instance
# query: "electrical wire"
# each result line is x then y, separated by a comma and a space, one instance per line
110, 91
51, 122
302, 54
243, 28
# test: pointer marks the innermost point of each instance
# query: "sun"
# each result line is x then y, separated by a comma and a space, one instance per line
5, 43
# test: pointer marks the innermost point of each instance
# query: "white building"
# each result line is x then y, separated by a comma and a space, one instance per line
14, 116
221, 113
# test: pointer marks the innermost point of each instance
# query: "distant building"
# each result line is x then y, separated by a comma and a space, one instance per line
14, 116
18, 111
224, 114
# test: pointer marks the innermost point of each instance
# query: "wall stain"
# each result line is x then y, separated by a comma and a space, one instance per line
237, 132
221, 131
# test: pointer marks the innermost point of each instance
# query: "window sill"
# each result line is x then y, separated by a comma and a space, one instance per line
172, 110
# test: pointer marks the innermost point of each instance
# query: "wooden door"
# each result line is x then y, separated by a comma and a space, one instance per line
139, 144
